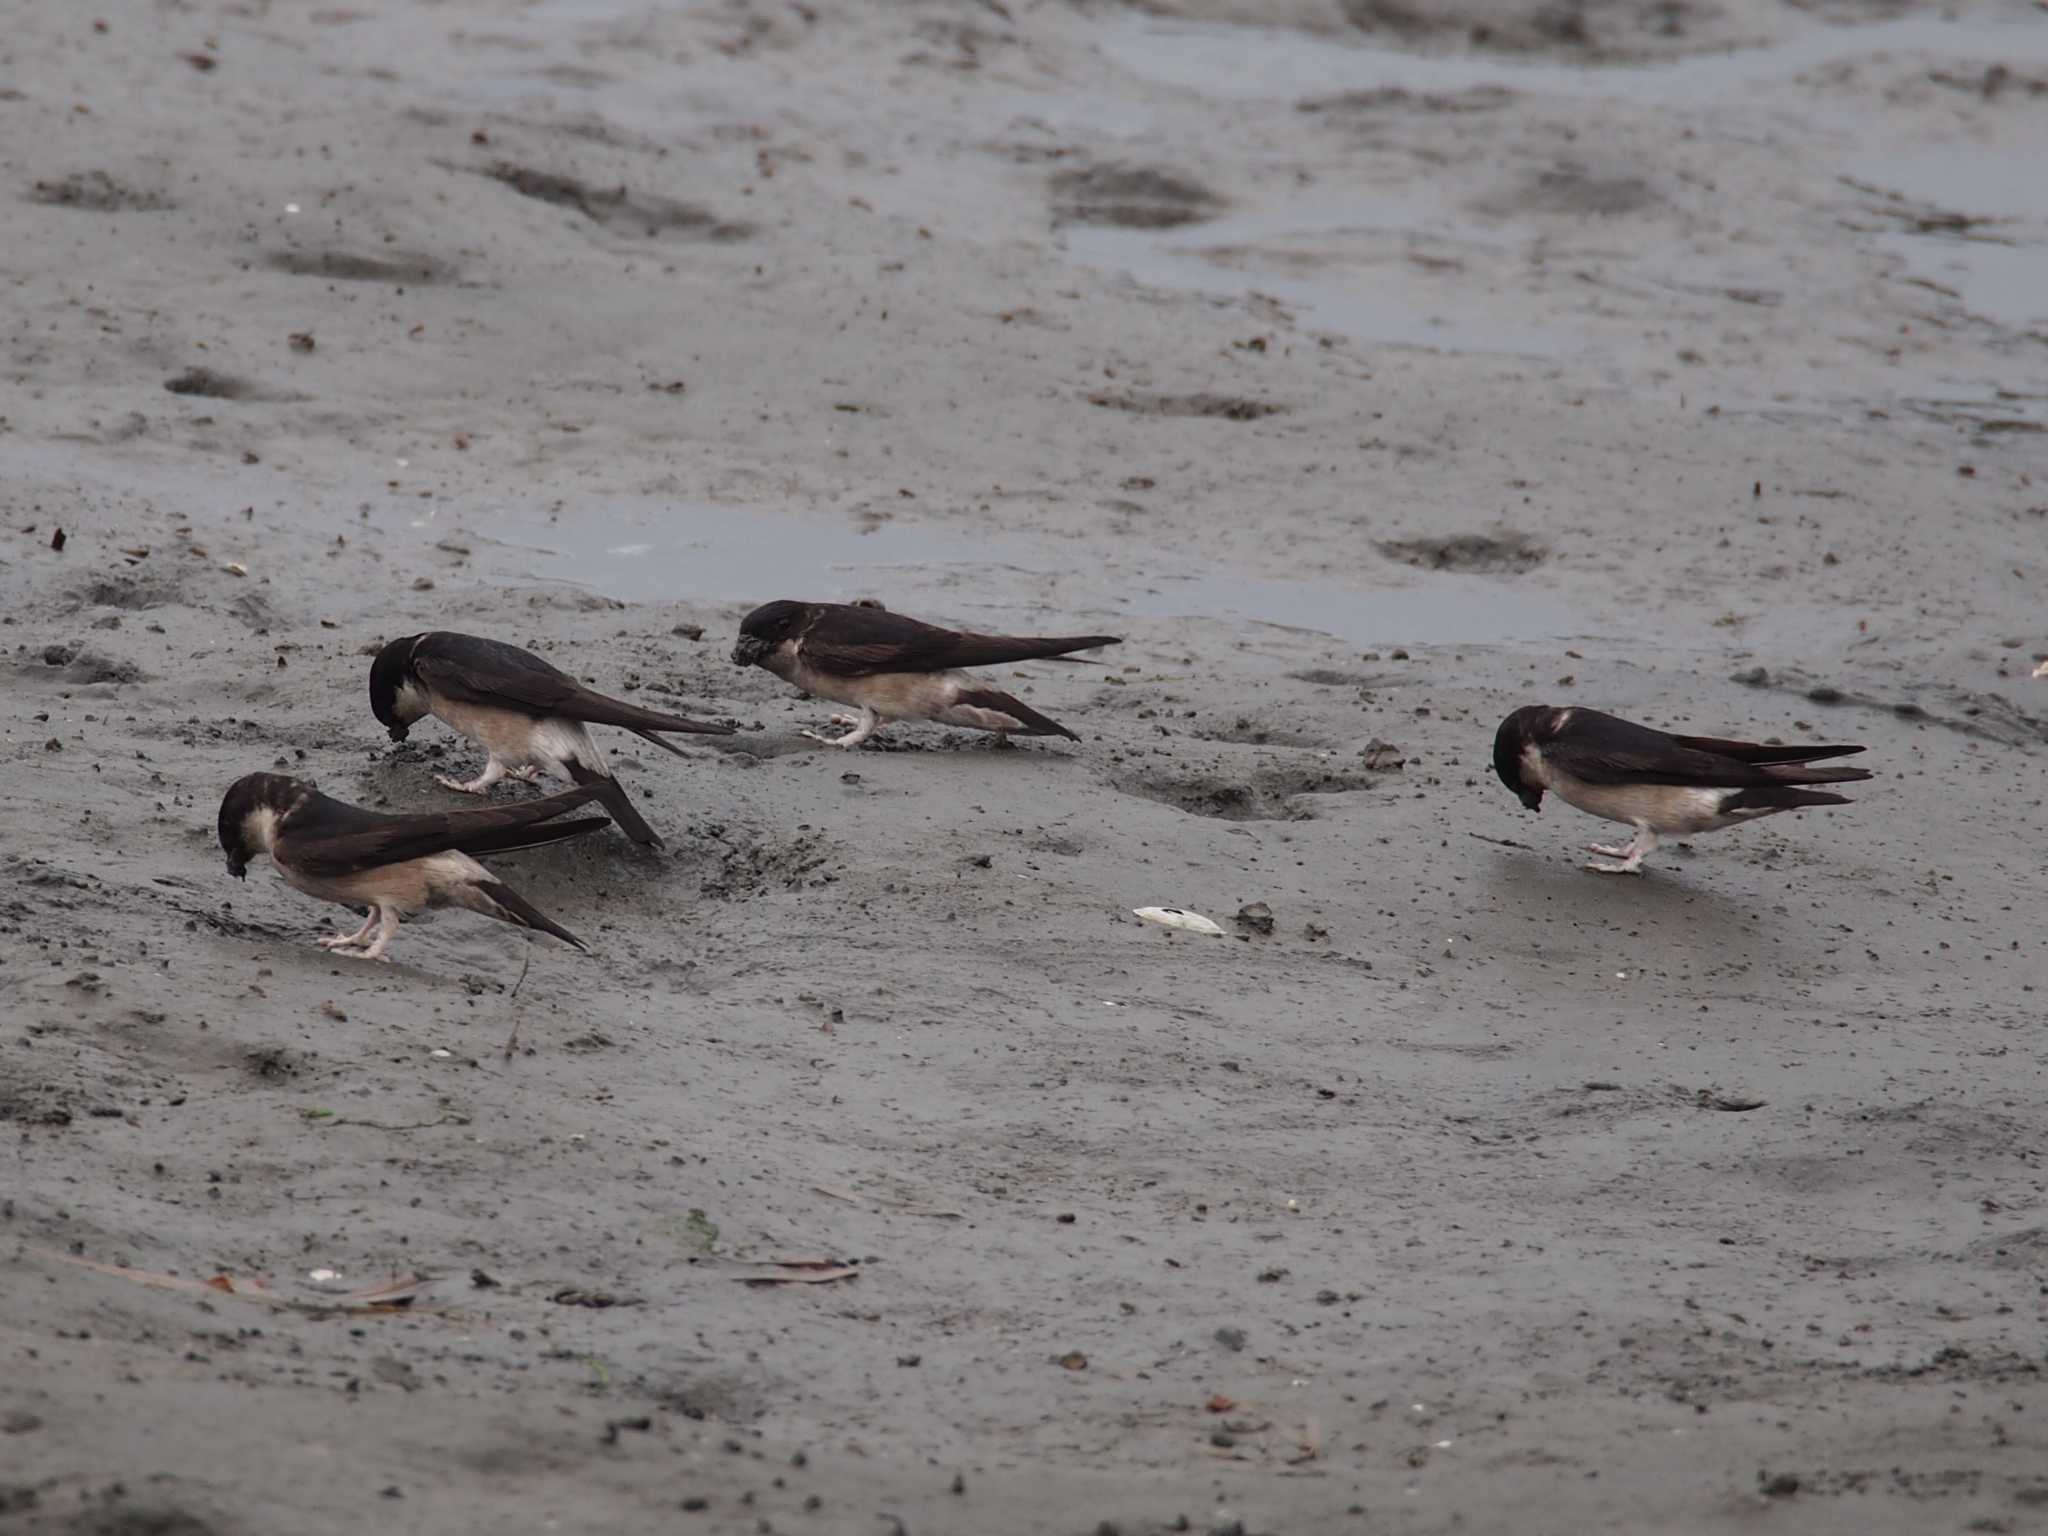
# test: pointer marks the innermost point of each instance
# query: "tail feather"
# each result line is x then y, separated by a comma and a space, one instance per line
612, 796
512, 839
1789, 774
644, 720
661, 741
1780, 799
507, 905
995, 650
1759, 752
1034, 724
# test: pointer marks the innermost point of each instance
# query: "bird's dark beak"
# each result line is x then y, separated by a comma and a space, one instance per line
1533, 798
748, 651
400, 732
239, 868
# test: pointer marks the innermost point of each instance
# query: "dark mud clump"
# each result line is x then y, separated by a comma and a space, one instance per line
616, 207
1483, 554
1393, 98
1572, 28
1223, 407
97, 192
349, 267
1130, 197
211, 384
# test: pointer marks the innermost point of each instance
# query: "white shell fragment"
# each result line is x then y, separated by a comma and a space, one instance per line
1174, 917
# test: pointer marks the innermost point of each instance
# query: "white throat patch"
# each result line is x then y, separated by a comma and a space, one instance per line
259, 827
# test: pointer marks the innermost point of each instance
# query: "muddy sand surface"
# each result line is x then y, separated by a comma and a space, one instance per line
1373, 373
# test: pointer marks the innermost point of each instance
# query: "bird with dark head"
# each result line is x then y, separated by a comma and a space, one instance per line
1660, 784
392, 866
527, 714
890, 667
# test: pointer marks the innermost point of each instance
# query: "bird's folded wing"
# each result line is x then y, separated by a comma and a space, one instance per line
1604, 763
1760, 752
855, 642
326, 837
487, 672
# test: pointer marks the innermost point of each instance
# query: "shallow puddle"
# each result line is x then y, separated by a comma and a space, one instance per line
677, 551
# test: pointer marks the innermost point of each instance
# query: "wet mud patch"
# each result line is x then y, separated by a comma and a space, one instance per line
1248, 730
135, 594
1572, 191
1957, 709
1130, 197
617, 208
1504, 554
28, 1104
1333, 677
2027, 1250
97, 192
352, 267
1393, 99
75, 664
1268, 792
1202, 403
751, 865
1573, 29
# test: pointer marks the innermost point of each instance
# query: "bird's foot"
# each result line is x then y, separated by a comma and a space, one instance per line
1610, 850
1625, 867
341, 941
832, 741
476, 786
530, 774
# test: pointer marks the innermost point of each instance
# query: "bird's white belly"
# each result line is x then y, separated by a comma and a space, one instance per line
892, 695
1672, 809
520, 741
412, 885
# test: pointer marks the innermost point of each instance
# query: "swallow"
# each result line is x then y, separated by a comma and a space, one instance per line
1662, 785
894, 668
530, 717
393, 865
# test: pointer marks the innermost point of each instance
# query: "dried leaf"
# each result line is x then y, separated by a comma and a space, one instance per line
1072, 1360
391, 1297
800, 1272
401, 1292
1221, 1404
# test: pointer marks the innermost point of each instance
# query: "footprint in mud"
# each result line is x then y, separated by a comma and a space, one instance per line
1267, 792
644, 213
1130, 197
1506, 553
